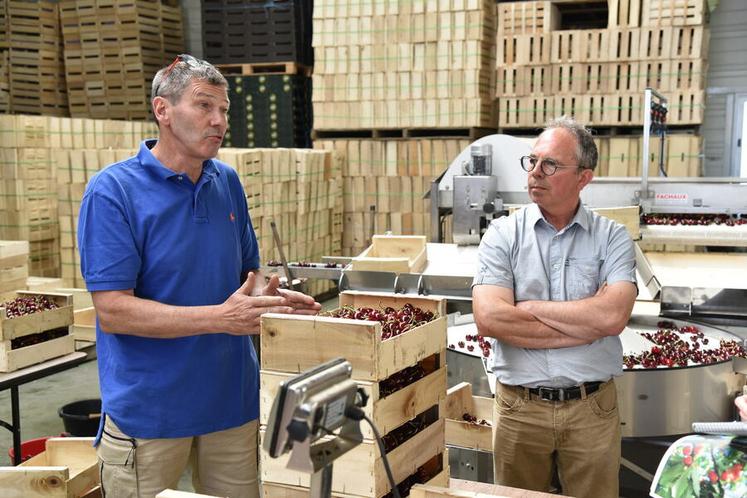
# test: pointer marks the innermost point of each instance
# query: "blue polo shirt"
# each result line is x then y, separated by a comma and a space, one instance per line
146, 228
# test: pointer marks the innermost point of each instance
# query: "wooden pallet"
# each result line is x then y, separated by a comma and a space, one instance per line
265, 68
13, 328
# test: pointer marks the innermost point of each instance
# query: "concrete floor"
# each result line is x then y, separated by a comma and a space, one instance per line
40, 400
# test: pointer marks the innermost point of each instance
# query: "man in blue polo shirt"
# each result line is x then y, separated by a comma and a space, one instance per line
165, 243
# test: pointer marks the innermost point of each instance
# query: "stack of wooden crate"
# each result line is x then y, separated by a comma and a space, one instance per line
414, 64
81, 148
33, 71
598, 75
113, 48
14, 266
393, 176
28, 198
622, 155
404, 377
300, 190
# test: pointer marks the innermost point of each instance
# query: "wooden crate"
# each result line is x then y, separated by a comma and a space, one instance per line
39, 284
170, 493
12, 328
84, 324
14, 259
536, 16
686, 107
674, 12
629, 216
387, 412
275, 490
524, 49
526, 111
683, 156
68, 468
325, 338
520, 81
463, 434
360, 471
395, 253
624, 13
458, 488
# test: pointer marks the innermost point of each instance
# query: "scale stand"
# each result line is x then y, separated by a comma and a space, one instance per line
321, 483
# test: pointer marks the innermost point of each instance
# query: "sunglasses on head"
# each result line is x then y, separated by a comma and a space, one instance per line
192, 62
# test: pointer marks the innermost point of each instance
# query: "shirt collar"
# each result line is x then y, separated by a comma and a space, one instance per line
149, 161
581, 217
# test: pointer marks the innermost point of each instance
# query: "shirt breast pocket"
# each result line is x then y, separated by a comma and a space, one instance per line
582, 275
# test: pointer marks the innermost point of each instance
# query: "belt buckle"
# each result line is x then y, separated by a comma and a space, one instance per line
546, 393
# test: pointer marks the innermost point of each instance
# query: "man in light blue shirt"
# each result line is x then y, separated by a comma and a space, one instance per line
554, 289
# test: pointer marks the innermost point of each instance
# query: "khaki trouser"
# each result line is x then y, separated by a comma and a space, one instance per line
224, 463
579, 438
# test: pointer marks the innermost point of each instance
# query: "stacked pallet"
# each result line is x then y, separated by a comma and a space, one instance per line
249, 31
393, 176
415, 64
268, 109
33, 74
14, 266
298, 189
598, 75
113, 48
404, 377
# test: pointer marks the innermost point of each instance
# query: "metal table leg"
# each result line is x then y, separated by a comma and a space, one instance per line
15, 426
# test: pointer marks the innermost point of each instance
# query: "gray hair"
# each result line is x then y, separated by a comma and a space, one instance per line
171, 81
586, 150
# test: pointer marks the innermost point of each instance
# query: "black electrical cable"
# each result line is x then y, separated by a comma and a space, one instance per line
356, 413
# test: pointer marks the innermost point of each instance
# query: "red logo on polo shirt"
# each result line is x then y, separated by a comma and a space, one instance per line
231, 217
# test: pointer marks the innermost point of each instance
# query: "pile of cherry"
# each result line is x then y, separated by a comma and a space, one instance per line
305, 264
481, 343
468, 417
680, 347
21, 306
393, 322
692, 219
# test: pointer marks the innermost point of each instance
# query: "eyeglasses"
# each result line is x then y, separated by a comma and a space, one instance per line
189, 60
548, 166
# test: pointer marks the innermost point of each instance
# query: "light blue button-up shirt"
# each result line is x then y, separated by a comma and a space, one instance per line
524, 252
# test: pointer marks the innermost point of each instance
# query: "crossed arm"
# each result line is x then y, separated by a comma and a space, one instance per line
124, 313
552, 324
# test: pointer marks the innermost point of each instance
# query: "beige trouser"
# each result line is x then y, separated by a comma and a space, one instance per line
581, 438
224, 463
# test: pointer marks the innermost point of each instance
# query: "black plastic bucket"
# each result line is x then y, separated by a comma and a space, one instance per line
81, 418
